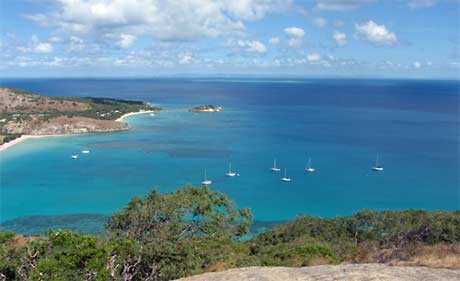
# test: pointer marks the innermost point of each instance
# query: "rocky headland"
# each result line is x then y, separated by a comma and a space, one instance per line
31, 114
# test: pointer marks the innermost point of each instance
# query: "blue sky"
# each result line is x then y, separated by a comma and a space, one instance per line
310, 38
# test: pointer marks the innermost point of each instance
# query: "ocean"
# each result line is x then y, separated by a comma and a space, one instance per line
413, 125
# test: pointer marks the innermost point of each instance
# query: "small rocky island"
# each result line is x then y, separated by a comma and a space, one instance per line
206, 108
27, 113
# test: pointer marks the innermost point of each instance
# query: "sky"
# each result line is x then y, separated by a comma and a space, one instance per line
309, 38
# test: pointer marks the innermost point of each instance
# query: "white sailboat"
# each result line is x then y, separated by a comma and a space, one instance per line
286, 178
309, 168
85, 151
377, 167
274, 168
74, 156
230, 173
206, 181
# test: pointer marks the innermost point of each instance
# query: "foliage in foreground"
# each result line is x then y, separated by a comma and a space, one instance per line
167, 236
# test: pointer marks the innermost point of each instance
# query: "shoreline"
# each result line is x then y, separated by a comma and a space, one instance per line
120, 119
22, 138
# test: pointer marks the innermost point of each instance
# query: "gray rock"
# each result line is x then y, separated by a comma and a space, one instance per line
345, 272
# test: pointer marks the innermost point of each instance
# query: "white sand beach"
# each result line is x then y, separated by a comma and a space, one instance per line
7, 145
120, 119
22, 138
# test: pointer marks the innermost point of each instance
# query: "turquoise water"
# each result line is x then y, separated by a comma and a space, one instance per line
340, 124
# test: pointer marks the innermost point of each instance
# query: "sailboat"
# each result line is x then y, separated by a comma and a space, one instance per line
377, 166
309, 168
206, 181
85, 151
286, 178
230, 173
74, 156
274, 168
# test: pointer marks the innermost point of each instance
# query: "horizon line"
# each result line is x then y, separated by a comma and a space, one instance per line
230, 76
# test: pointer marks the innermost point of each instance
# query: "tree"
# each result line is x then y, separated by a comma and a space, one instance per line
165, 228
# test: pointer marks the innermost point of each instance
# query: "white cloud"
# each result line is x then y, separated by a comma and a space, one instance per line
56, 62
320, 22
341, 5
36, 46
274, 40
185, 59
253, 46
253, 9
294, 31
416, 4
340, 38
294, 42
76, 43
166, 20
418, 64
377, 34
55, 39
126, 40
313, 57
43, 48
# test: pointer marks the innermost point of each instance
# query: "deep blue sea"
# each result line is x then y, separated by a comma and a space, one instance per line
341, 124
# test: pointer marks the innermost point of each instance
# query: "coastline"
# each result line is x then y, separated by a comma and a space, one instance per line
22, 138
120, 119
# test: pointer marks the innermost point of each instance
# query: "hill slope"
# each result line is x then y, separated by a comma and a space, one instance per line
23, 112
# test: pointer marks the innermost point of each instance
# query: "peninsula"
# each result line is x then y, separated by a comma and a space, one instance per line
23, 113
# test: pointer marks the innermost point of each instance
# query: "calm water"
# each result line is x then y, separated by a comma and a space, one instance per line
340, 124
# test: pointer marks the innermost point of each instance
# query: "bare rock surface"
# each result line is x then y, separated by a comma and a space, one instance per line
344, 272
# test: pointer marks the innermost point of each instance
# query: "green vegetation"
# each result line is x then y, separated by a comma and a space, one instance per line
104, 108
194, 230
8, 137
352, 238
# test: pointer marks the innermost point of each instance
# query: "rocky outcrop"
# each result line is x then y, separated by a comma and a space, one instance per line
206, 108
344, 272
